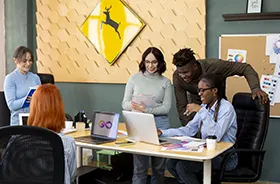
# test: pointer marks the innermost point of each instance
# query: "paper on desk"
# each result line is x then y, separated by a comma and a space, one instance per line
181, 148
186, 138
122, 132
194, 144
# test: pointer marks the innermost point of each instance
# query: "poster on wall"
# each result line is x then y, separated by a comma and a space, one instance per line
235, 55
269, 84
111, 27
273, 47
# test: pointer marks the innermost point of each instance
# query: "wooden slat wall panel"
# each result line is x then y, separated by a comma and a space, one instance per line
66, 53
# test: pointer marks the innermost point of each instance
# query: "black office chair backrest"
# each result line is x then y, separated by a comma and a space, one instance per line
46, 78
4, 111
68, 117
252, 121
30, 155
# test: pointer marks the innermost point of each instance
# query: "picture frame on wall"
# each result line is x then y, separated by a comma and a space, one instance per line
254, 6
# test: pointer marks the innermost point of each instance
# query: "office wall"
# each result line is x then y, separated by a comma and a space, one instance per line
216, 26
19, 28
109, 97
2, 45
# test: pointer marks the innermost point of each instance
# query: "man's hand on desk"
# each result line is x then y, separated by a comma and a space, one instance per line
159, 132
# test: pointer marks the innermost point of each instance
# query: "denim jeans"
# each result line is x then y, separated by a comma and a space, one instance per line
185, 171
141, 165
141, 162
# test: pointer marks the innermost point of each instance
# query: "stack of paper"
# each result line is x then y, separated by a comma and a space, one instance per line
147, 100
192, 146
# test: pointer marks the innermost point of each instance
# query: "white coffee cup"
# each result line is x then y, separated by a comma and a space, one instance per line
211, 142
68, 124
80, 126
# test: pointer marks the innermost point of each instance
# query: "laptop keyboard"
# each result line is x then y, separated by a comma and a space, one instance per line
94, 140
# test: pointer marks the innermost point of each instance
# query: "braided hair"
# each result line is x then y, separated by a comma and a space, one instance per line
214, 81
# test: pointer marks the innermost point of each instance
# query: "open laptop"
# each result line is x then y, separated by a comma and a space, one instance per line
104, 128
23, 118
142, 126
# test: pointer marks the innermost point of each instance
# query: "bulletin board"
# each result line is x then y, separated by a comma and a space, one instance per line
255, 45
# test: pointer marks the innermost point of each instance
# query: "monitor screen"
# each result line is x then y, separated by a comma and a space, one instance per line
23, 118
105, 124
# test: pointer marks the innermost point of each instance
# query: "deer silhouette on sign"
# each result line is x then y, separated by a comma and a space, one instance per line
110, 22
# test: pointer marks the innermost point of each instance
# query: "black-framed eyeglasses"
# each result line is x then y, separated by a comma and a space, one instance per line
154, 62
201, 90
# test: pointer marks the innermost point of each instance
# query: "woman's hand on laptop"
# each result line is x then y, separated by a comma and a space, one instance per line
159, 132
138, 107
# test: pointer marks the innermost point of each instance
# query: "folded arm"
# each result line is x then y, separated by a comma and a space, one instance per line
10, 95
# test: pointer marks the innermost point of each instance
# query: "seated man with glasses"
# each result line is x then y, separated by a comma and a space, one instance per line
189, 71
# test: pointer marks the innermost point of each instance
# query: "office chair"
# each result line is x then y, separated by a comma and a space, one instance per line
68, 117
252, 121
30, 155
4, 111
46, 78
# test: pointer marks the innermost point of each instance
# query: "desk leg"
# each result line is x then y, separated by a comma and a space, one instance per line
79, 153
207, 171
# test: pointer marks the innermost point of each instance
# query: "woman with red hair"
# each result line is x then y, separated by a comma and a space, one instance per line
47, 111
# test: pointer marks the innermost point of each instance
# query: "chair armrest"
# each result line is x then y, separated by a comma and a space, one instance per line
256, 152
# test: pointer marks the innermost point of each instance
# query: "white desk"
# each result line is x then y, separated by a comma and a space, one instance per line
153, 150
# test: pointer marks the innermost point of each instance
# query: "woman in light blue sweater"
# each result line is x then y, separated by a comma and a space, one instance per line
150, 81
17, 83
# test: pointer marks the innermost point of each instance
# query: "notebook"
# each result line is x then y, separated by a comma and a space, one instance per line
104, 128
26, 102
142, 126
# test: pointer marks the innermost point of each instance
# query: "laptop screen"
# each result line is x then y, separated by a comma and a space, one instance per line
105, 124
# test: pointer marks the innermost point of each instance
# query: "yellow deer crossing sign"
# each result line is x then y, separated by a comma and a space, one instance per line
110, 22
111, 27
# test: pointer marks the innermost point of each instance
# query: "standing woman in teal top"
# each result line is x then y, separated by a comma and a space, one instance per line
150, 81
17, 83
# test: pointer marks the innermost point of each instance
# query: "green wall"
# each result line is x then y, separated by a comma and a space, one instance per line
20, 30
215, 27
